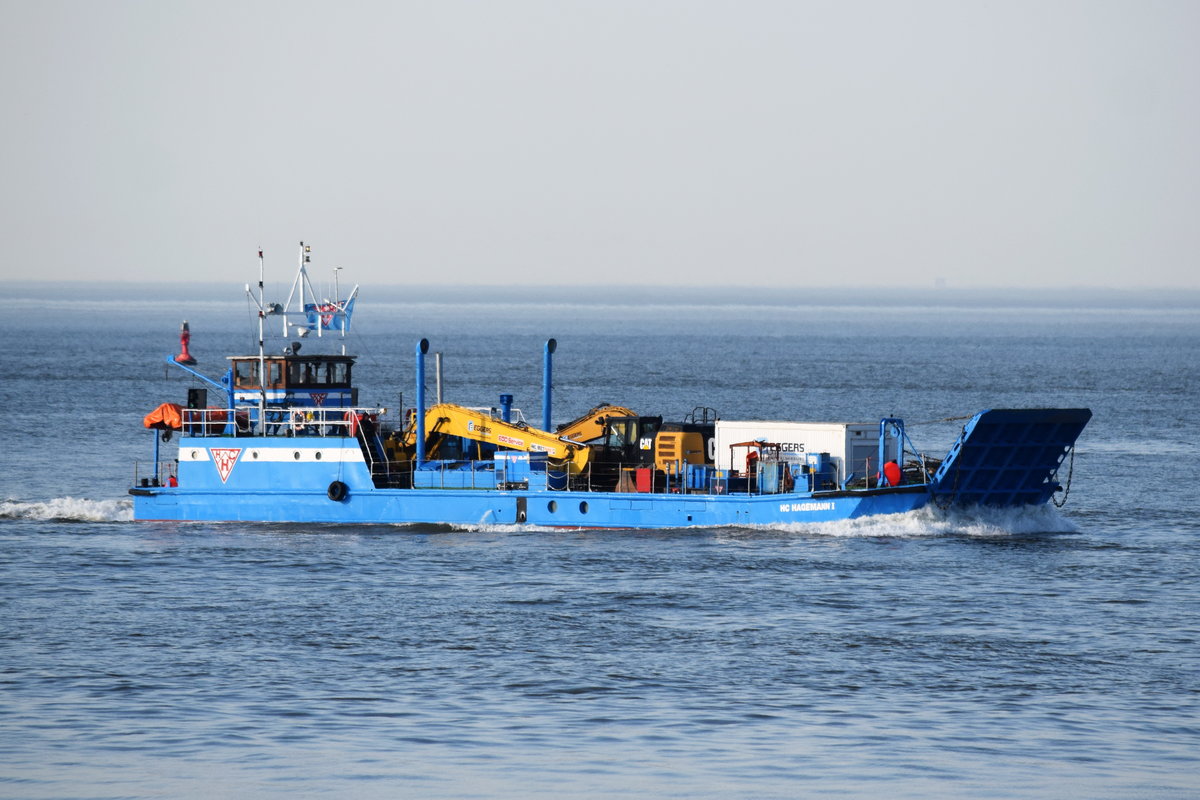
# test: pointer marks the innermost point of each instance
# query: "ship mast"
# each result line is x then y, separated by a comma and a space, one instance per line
262, 356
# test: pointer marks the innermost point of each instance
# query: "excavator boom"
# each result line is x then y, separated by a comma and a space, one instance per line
591, 424
448, 419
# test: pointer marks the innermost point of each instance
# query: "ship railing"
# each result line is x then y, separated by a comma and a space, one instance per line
678, 478
155, 473
393, 474
767, 478
478, 474
866, 474
455, 475
294, 421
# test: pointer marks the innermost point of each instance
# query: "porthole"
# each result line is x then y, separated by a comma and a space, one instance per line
296, 455
254, 454
583, 507
194, 454
552, 506
318, 455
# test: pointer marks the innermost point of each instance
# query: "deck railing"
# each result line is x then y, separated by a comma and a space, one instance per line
154, 473
244, 421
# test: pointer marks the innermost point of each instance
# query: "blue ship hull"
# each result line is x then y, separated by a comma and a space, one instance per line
1003, 458
471, 508
284, 480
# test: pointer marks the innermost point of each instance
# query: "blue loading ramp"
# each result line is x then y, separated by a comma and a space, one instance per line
1008, 457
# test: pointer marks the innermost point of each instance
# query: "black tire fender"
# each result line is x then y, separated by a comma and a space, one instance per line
337, 491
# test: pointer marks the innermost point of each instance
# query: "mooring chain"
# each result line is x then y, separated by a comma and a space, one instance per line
1067, 488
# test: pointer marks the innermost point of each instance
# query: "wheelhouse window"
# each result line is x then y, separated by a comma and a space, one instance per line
245, 374
297, 375
318, 372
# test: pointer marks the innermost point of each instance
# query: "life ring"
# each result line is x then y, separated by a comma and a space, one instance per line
337, 491
351, 424
298, 421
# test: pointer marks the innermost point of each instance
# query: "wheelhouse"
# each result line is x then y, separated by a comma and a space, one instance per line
294, 380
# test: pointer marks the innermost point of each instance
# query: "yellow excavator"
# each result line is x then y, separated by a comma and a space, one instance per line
447, 420
591, 425
611, 439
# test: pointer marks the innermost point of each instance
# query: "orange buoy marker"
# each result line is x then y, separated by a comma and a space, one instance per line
185, 336
891, 473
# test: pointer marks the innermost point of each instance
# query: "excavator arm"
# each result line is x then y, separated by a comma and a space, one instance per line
480, 426
591, 425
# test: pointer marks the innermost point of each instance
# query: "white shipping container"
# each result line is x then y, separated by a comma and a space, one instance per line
849, 444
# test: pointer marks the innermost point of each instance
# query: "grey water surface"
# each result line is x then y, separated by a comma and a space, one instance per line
1049, 653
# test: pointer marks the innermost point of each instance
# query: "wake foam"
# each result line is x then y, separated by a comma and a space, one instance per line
933, 521
511, 527
69, 509
928, 521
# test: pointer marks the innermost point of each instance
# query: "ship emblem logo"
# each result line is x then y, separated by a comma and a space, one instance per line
318, 398
224, 458
326, 318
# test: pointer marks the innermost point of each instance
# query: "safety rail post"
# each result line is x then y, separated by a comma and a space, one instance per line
896, 424
422, 349
547, 376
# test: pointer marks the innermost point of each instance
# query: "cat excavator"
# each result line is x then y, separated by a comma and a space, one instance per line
454, 432
609, 438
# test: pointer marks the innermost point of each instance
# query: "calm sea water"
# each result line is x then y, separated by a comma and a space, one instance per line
1034, 654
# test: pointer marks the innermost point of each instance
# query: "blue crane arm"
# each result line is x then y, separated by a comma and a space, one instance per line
171, 360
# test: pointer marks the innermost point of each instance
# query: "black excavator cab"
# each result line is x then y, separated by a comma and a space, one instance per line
630, 440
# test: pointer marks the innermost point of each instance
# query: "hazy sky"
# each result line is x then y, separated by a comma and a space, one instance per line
725, 143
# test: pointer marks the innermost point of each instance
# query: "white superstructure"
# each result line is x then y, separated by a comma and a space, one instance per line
852, 446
